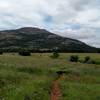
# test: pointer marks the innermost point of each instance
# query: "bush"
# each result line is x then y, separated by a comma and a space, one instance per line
24, 53
55, 55
87, 58
99, 51
27, 97
1, 52
89, 61
74, 58
93, 62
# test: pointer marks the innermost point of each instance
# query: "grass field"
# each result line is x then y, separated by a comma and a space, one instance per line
30, 78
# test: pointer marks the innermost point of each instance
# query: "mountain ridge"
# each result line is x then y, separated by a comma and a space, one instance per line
31, 37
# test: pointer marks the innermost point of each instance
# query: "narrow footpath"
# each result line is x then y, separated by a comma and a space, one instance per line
56, 90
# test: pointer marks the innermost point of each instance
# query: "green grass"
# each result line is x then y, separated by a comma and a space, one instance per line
30, 78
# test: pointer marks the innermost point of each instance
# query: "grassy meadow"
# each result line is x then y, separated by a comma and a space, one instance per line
31, 77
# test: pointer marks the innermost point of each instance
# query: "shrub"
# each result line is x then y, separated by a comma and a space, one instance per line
27, 97
74, 58
99, 51
61, 72
87, 58
24, 53
55, 55
93, 62
1, 52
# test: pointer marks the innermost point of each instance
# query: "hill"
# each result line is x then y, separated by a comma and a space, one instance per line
36, 38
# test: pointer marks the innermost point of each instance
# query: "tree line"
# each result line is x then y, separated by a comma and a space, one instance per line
32, 50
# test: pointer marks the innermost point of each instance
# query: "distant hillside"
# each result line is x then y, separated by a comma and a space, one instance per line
35, 38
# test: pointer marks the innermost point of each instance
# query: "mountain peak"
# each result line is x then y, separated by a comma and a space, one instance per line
29, 28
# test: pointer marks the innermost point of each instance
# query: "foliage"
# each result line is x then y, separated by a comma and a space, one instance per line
1, 52
87, 58
74, 58
24, 53
55, 55
93, 62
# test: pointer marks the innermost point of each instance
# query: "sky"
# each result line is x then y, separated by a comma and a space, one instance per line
77, 19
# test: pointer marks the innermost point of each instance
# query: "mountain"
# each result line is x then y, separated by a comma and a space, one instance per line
36, 38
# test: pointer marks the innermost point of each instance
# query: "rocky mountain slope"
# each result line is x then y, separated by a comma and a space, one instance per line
36, 38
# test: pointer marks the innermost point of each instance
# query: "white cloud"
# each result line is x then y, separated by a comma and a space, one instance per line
79, 19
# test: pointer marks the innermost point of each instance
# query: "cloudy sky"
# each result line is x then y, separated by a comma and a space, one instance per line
78, 19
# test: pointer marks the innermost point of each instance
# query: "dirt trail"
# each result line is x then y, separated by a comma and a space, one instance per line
56, 91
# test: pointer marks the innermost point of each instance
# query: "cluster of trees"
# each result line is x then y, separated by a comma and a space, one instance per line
87, 59
27, 49
25, 53
39, 50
